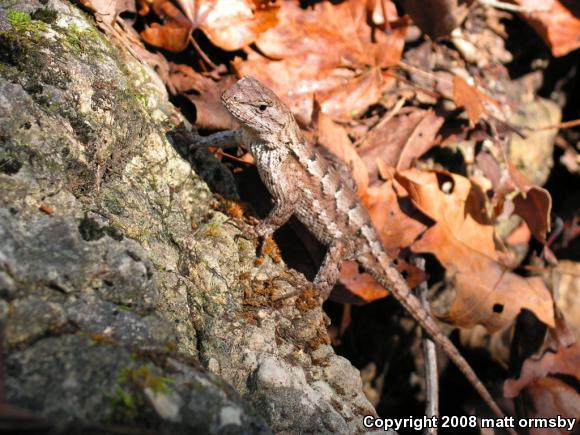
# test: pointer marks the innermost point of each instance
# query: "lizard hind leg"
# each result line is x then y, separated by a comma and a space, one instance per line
327, 274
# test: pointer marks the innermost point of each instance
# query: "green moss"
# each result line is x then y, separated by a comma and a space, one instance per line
15, 51
18, 19
85, 41
127, 399
143, 377
79, 42
26, 50
123, 405
127, 309
22, 22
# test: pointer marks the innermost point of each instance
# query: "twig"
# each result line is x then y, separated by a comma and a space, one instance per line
409, 67
402, 79
201, 53
511, 7
430, 355
398, 105
560, 125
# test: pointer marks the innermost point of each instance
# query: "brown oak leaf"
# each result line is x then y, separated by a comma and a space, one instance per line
463, 241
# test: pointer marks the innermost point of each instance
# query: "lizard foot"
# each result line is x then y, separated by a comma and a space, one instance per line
299, 283
247, 232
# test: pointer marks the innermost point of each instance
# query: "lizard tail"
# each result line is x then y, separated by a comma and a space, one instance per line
379, 267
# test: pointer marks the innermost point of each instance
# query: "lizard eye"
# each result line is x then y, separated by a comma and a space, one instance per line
262, 107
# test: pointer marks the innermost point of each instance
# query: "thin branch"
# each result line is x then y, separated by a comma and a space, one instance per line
398, 106
511, 7
430, 355
201, 53
560, 125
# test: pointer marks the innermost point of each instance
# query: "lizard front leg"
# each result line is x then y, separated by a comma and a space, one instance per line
220, 139
277, 217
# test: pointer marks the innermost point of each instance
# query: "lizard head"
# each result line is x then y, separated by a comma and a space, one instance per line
257, 108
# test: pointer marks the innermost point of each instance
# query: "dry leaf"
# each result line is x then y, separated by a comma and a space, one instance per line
205, 93
567, 277
360, 284
234, 24
468, 97
557, 22
107, 10
543, 381
400, 140
532, 203
463, 241
520, 236
565, 361
328, 50
534, 207
552, 397
354, 97
397, 224
173, 35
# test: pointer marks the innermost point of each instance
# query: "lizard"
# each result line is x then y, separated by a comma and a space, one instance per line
305, 184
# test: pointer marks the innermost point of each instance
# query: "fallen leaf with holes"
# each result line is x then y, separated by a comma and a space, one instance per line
557, 22
328, 50
397, 226
462, 239
400, 140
